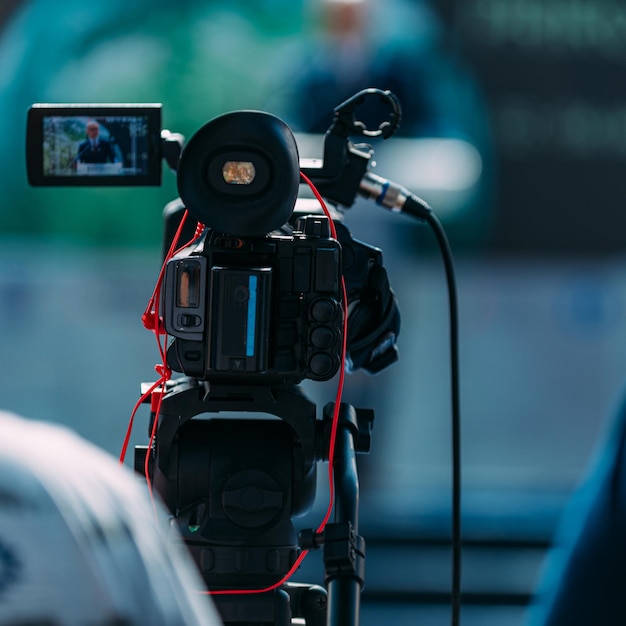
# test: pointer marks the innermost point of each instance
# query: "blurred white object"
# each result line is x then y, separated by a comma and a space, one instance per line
80, 542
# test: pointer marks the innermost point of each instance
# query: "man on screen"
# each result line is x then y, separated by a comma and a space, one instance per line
95, 149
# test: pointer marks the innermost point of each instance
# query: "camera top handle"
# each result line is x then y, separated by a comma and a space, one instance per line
338, 177
346, 124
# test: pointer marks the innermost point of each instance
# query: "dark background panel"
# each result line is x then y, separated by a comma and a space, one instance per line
553, 77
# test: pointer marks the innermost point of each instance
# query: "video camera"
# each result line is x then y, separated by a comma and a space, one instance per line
258, 298
253, 303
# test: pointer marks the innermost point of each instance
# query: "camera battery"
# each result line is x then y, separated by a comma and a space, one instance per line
239, 333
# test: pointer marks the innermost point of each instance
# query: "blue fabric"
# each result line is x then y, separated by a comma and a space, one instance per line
585, 576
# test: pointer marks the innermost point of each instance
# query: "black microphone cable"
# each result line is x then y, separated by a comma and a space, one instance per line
398, 199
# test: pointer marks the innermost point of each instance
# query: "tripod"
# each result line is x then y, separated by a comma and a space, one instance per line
233, 483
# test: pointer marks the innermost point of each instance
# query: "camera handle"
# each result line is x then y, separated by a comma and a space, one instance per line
339, 174
346, 123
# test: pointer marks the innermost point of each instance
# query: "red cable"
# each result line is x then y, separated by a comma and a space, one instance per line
152, 321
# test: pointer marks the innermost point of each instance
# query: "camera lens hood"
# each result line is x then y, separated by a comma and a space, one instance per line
240, 173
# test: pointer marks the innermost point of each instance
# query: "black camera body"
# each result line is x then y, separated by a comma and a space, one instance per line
257, 309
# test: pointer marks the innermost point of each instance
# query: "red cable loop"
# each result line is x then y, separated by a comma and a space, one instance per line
153, 322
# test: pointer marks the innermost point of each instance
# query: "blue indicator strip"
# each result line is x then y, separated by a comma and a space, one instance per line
251, 322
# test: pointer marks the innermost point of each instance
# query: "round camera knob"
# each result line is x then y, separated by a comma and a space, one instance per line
321, 364
322, 337
323, 310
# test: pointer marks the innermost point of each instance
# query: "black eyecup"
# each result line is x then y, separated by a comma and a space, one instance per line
251, 209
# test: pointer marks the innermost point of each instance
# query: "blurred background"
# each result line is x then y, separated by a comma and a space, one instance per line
514, 130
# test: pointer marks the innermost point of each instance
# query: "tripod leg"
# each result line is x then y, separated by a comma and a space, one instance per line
344, 550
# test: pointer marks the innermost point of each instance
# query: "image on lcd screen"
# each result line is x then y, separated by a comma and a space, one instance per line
95, 146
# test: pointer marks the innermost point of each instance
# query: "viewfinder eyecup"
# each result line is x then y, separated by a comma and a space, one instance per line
240, 173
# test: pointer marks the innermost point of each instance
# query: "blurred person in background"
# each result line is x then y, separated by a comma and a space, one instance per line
356, 44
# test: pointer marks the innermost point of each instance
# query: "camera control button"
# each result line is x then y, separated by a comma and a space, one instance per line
186, 320
323, 310
321, 364
322, 337
315, 226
